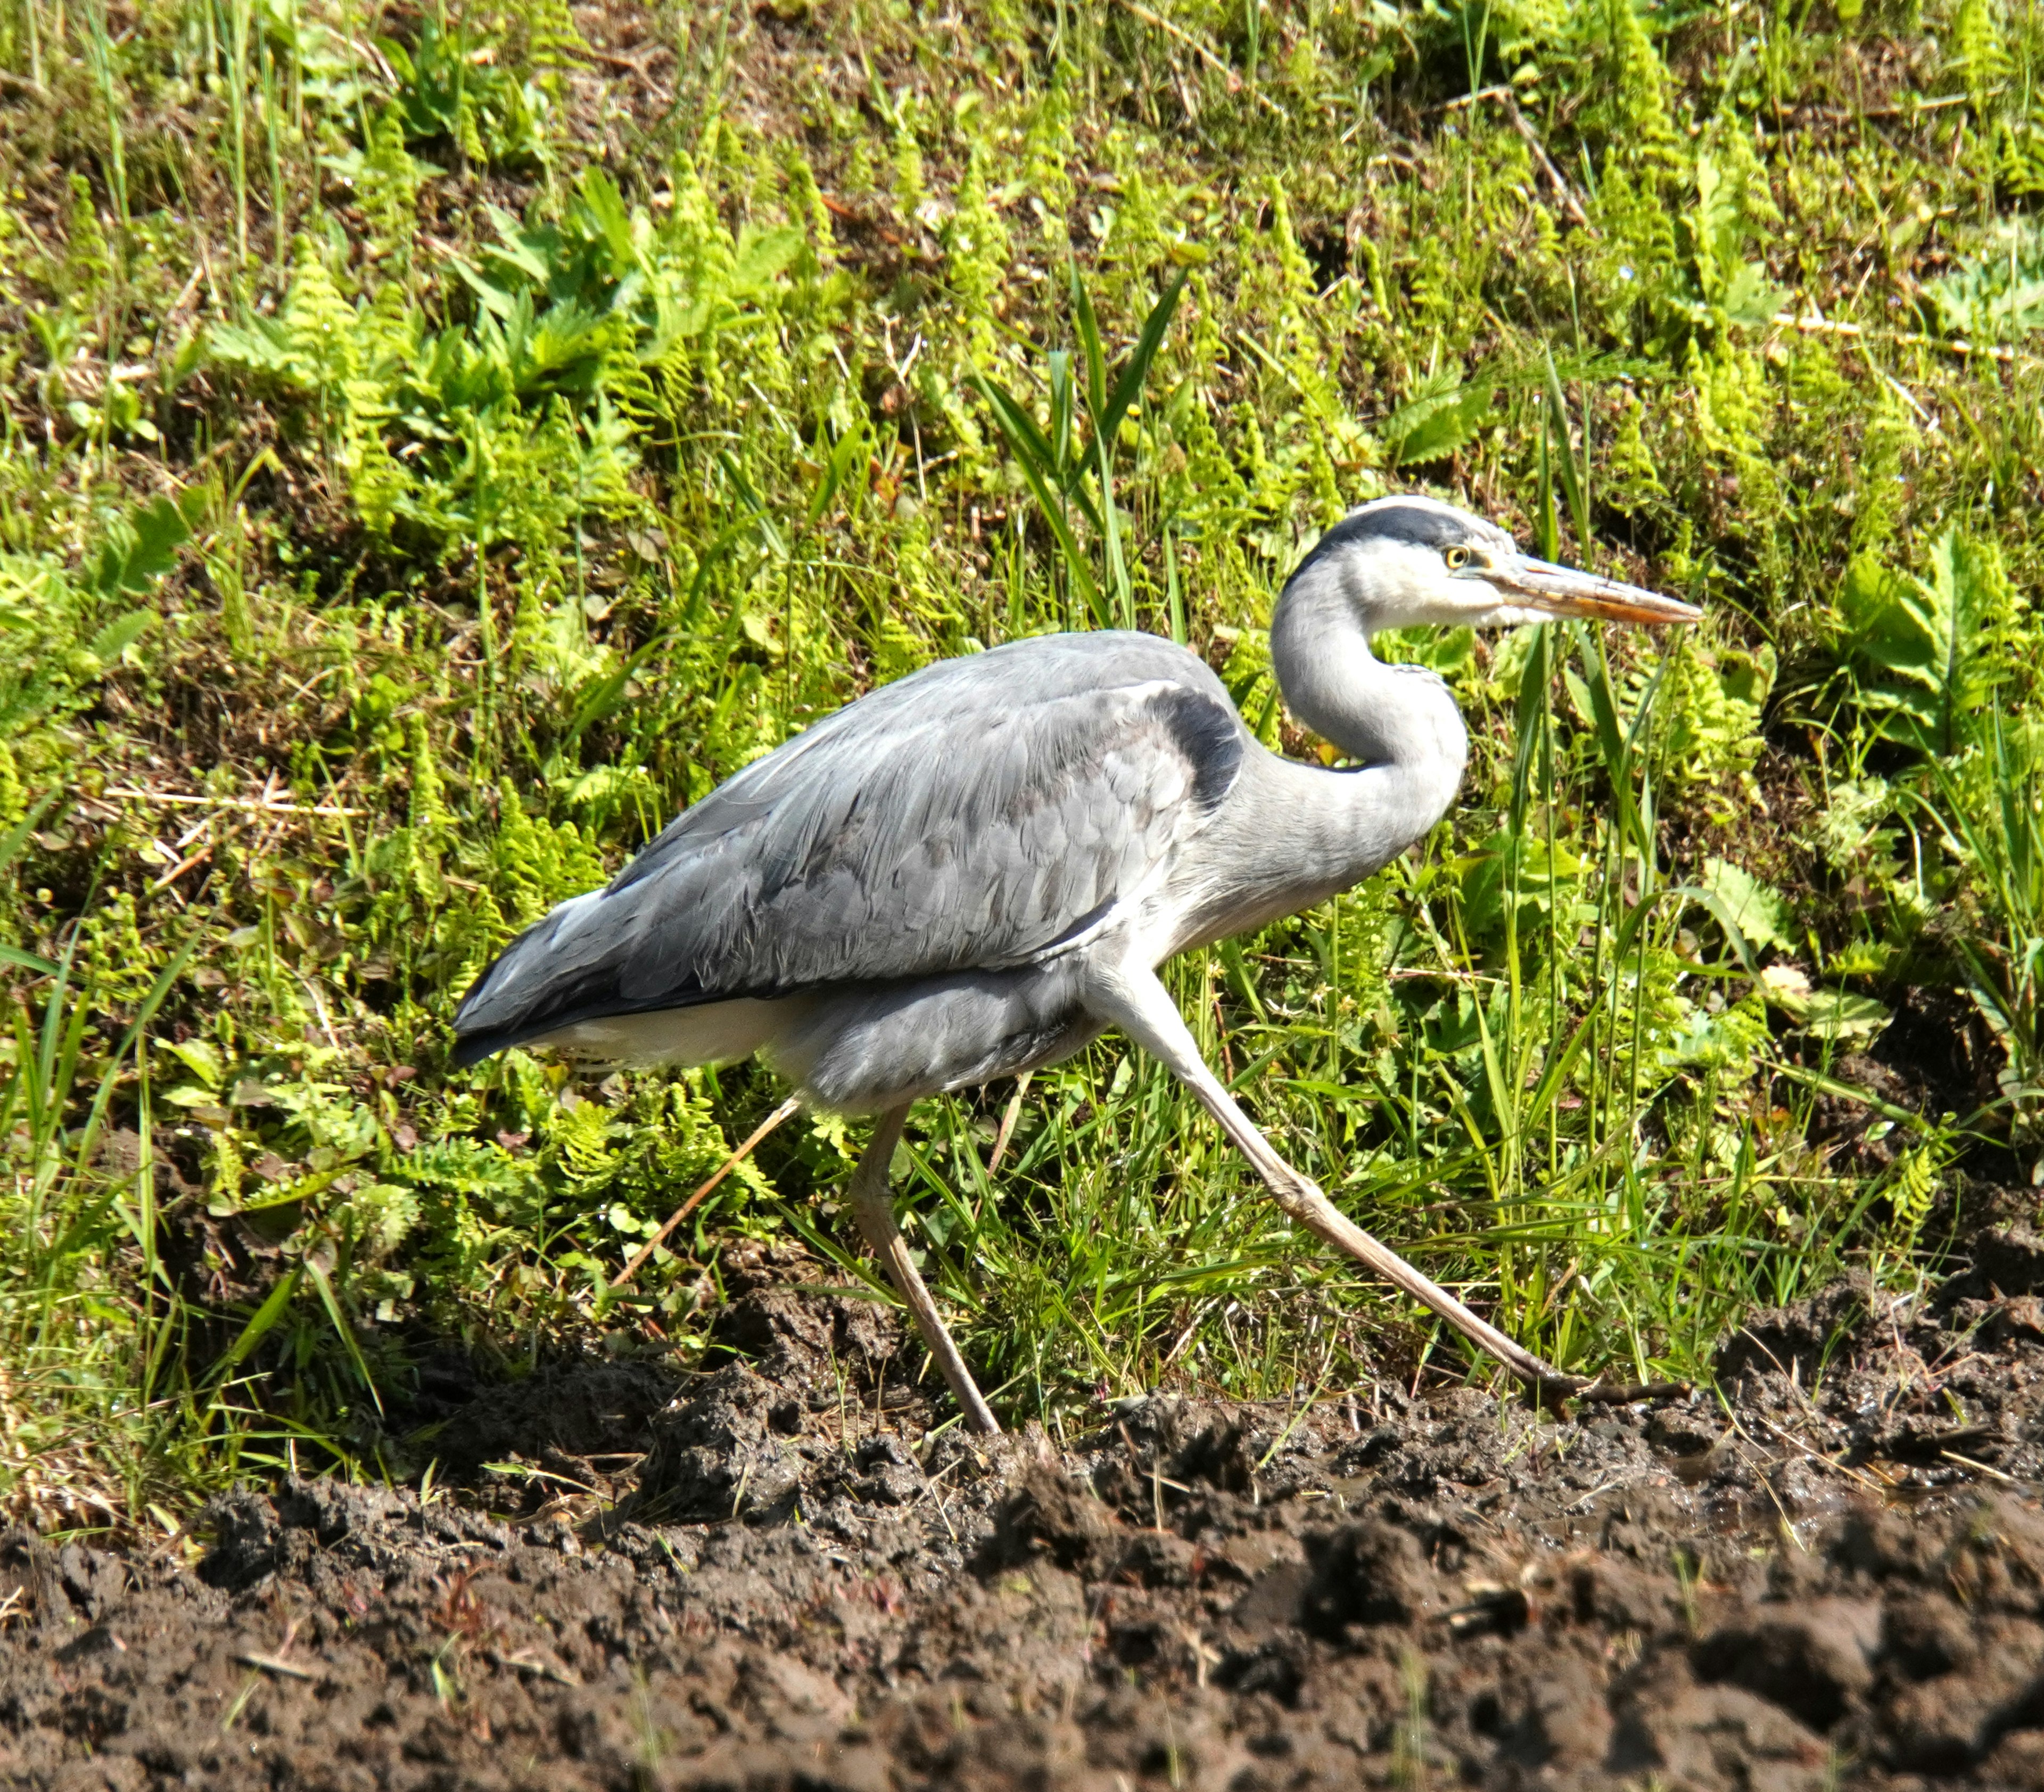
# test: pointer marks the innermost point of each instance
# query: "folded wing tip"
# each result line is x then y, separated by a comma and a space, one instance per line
473, 1047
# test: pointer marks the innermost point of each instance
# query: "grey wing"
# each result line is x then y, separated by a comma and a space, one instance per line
975, 815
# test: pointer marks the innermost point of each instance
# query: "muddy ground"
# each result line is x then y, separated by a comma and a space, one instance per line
773, 1574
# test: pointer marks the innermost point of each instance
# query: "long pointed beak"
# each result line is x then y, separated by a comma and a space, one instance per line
1561, 590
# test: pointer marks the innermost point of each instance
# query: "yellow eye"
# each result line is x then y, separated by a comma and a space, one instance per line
1456, 558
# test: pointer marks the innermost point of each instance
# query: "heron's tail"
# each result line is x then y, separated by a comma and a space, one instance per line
552, 975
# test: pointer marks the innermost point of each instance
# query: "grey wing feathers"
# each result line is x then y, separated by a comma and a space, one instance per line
972, 816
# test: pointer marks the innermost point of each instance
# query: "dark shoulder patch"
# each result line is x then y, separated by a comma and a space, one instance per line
1210, 736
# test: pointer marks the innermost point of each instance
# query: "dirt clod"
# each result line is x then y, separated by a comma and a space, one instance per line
2010, 1260
1051, 1515
715, 1451
1811, 1658
1370, 1573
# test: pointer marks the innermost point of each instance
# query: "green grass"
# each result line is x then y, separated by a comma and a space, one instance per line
437, 447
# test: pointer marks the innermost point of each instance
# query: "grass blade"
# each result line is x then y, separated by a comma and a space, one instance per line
1018, 428
1090, 346
1128, 387
1575, 481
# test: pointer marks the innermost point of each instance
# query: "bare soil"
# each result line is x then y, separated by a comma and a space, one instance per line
773, 1573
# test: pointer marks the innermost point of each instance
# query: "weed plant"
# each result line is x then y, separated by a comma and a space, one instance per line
438, 445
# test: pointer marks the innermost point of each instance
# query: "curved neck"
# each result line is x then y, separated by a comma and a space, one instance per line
1398, 722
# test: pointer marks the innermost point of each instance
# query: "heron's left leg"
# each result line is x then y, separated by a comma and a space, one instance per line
1135, 1000
874, 1206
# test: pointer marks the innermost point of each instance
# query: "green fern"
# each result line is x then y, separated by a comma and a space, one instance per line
1978, 51
389, 184
89, 264
1735, 411
911, 183
554, 46
1926, 655
1641, 126
976, 252
1734, 206
1631, 479
1049, 147
535, 864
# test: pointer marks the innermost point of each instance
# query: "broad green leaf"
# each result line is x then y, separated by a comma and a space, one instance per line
1059, 371
762, 254
1096, 359
1032, 455
199, 1057
607, 209
762, 517
521, 248
499, 299
1435, 423
1575, 479
400, 59
835, 471
1833, 1014
263, 1321
1997, 295
1750, 297
1130, 384
140, 550
1544, 881
342, 1328
261, 345
1590, 692
1717, 219
1754, 908
1025, 439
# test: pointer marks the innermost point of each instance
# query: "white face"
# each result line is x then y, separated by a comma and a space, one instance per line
1408, 584
1478, 578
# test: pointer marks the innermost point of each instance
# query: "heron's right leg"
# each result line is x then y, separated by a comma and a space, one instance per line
1139, 1005
874, 1206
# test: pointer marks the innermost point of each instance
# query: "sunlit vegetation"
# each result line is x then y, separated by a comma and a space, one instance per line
438, 445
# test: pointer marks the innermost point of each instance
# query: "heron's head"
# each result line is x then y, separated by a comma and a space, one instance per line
1400, 562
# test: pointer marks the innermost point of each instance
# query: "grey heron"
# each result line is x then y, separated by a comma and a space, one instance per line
977, 870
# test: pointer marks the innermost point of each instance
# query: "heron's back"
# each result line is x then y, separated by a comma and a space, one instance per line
975, 818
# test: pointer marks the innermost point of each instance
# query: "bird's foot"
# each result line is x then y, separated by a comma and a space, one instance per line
1307, 1203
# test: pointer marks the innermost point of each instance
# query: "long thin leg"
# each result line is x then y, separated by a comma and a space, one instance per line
871, 1201
1135, 1000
